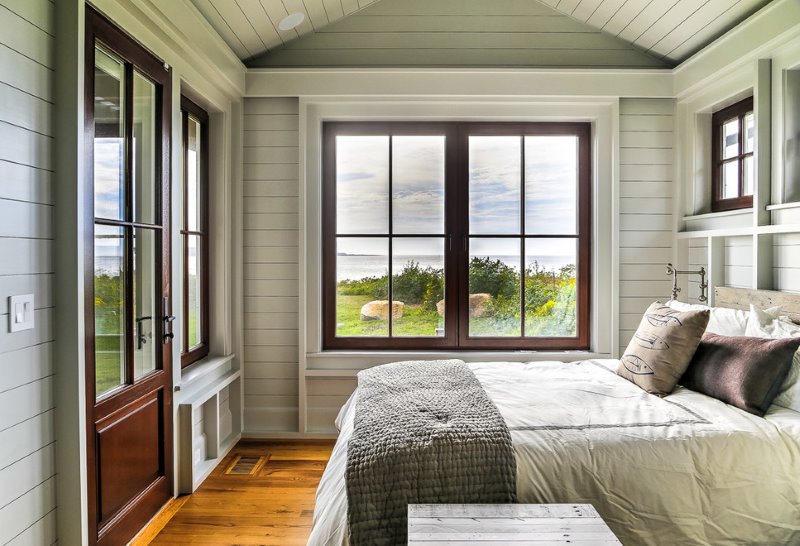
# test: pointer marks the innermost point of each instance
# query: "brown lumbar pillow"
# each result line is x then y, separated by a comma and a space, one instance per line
745, 372
662, 348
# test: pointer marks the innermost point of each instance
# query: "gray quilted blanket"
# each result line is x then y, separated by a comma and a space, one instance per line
425, 432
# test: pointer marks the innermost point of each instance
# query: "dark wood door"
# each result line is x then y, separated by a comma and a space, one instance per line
128, 308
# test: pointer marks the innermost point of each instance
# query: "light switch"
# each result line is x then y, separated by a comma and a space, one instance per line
20, 316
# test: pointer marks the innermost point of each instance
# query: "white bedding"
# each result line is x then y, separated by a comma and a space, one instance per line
685, 469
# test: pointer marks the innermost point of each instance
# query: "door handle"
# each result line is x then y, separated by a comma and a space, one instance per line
168, 320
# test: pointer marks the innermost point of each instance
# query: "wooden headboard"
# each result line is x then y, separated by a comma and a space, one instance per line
741, 298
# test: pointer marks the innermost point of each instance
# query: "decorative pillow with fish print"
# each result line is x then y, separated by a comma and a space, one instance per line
662, 347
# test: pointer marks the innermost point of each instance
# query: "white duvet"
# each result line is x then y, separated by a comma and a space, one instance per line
684, 469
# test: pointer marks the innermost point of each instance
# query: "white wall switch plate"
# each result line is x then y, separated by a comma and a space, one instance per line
20, 313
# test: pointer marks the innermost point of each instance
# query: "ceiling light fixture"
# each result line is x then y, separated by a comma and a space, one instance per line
291, 21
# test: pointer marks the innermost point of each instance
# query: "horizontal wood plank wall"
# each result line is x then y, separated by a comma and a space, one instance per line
457, 33
739, 261
645, 205
698, 257
786, 262
271, 227
325, 397
27, 436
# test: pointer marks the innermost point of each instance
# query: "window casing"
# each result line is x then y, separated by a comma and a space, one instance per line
733, 164
468, 244
194, 233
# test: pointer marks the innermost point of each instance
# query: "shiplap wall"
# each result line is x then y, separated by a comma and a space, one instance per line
739, 261
27, 460
786, 262
698, 257
271, 227
457, 33
645, 205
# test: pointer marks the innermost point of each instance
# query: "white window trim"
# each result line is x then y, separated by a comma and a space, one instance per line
601, 113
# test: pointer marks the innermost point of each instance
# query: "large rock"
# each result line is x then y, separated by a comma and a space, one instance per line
477, 305
379, 310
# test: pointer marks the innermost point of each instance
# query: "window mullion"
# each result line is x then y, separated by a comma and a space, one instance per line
522, 236
740, 161
391, 230
128, 232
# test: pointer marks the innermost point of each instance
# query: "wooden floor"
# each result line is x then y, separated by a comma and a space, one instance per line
273, 504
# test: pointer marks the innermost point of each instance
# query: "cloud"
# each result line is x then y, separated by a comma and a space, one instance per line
108, 175
494, 184
351, 177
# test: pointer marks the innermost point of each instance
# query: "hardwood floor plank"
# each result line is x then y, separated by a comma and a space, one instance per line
274, 506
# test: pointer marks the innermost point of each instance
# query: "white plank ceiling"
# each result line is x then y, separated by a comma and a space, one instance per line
625, 33
250, 27
669, 29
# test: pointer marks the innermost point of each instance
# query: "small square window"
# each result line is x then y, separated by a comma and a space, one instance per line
733, 176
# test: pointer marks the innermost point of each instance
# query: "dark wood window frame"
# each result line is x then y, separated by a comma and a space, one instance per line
190, 355
456, 235
718, 119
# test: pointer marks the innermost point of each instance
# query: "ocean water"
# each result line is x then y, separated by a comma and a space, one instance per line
355, 267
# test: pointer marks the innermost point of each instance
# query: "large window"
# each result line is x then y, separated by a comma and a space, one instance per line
477, 233
733, 177
194, 232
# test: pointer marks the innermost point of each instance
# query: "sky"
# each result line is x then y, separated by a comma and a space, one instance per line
418, 190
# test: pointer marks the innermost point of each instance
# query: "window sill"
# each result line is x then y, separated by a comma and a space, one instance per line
729, 219
785, 213
202, 373
347, 363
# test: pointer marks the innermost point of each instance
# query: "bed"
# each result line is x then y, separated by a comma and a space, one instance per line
683, 469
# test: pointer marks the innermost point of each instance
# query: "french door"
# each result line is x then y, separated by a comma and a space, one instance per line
128, 309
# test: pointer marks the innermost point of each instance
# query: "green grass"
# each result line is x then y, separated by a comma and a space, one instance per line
106, 371
416, 321
420, 322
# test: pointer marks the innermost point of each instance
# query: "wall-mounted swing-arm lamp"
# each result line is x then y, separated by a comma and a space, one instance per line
675, 272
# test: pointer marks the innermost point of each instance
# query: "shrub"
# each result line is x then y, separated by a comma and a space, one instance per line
418, 286
492, 277
374, 287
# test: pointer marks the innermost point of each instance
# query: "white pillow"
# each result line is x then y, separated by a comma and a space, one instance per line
760, 324
724, 321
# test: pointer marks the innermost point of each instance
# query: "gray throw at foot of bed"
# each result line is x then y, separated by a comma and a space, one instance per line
425, 432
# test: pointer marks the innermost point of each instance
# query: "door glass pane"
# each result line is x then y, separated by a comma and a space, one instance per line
551, 185
730, 138
362, 184
195, 269
550, 287
494, 184
494, 282
748, 172
109, 308
145, 308
418, 184
749, 133
730, 179
145, 153
362, 289
109, 132
193, 175
418, 284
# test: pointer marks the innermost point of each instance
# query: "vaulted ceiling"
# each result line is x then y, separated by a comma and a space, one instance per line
669, 29
462, 33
